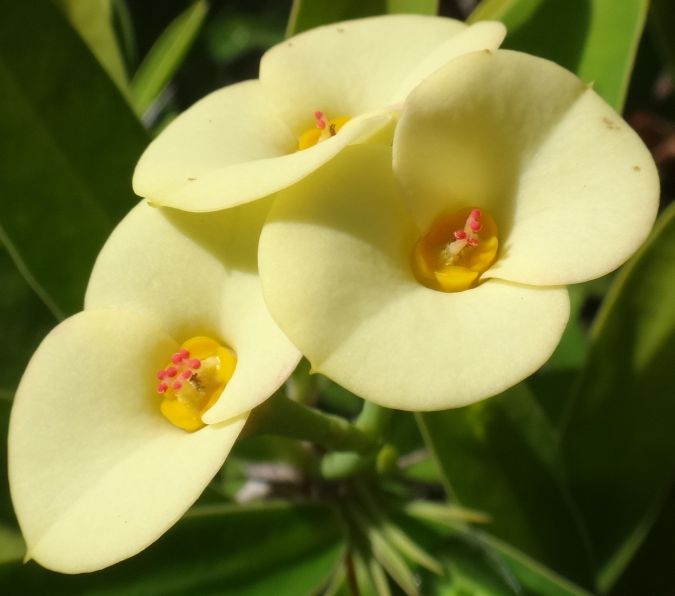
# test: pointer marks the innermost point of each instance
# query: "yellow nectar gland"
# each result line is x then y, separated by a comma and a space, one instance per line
456, 250
323, 129
193, 380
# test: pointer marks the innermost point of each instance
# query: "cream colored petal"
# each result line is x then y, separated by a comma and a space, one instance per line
96, 473
231, 148
572, 188
335, 266
197, 275
349, 68
483, 35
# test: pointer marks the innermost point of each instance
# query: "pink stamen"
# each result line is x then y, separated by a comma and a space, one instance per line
162, 387
472, 241
177, 385
184, 353
171, 371
161, 374
320, 118
195, 363
474, 225
475, 214
460, 234
186, 374
176, 358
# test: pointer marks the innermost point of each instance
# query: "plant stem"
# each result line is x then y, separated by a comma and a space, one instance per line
372, 421
284, 417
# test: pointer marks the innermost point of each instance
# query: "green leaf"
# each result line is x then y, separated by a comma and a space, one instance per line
69, 144
647, 572
93, 20
618, 442
532, 575
596, 39
24, 320
165, 56
500, 457
258, 550
477, 563
662, 26
230, 34
306, 14
429, 7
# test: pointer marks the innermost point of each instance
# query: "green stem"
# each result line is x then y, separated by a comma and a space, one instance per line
372, 421
287, 418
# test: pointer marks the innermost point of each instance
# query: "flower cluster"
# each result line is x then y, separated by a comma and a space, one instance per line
401, 198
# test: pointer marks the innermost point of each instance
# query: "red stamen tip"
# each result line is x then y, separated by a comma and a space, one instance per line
184, 353
475, 214
177, 385
176, 358
195, 363
171, 371
460, 234
186, 374
162, 387
475, 225
161, 374
472, 241
320, 120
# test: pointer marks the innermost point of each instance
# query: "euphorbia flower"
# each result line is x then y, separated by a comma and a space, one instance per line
442, 282
317, 93
128, 409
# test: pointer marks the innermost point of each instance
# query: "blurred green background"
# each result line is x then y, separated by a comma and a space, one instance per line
575, 467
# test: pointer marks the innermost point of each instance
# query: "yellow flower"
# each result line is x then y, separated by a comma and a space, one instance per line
317, 93
174, 337
441, 282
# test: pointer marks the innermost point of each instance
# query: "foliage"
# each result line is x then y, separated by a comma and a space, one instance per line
562, 485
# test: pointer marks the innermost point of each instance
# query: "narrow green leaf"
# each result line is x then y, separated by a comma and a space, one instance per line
649, 570
596, 39
478, 563
93, 20
306, 14
500, 457
244, 551
618, 442
12, 546
69, 145
165, 56
532, 575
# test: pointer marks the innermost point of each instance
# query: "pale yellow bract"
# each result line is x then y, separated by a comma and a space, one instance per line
571, 187
240, 143
96, 472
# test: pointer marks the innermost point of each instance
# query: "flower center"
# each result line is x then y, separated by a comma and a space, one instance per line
323, 129
456, 250
193, 380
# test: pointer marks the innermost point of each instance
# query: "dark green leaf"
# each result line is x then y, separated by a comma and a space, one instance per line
618, 442
476, 563
24, 321
500, 456
648, 572
165, 56
244, 551
306, 14
596, 39
662, 25
93, 20
69, 144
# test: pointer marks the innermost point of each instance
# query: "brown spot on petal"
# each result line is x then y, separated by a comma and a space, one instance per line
610, 124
